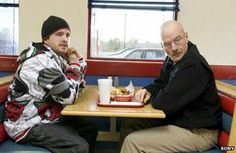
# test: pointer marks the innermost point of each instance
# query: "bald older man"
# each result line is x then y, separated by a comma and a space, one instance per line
186, 92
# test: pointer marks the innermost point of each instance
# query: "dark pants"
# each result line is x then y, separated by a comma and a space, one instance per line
71, 134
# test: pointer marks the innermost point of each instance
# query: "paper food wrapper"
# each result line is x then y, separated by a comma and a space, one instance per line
130, 88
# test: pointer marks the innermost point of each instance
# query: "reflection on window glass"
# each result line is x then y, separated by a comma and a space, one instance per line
135, 55
116, 31
151, 55
9, 27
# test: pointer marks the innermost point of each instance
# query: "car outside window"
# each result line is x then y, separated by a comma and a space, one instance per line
151, 55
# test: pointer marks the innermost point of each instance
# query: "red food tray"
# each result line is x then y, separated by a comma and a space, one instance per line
121, 104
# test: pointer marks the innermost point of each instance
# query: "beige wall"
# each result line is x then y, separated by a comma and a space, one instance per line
34, 12
210, 26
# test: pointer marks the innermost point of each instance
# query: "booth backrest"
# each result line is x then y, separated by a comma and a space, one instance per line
3, 96
228, 107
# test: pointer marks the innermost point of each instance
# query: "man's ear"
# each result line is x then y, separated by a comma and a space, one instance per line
45, 41
162, 45
186, 35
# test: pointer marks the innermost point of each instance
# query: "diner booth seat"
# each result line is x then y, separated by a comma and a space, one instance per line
6, 144
227, 133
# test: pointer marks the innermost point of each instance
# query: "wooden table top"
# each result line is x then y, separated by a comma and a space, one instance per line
86, 106
6, 80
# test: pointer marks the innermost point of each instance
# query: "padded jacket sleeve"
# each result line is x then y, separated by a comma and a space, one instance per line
187, 82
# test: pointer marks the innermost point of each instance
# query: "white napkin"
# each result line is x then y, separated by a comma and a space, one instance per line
130, 88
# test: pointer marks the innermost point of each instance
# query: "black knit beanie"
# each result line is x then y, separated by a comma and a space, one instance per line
53, 24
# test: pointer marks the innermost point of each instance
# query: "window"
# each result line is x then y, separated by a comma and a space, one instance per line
135, 55
117, 27
9, 27
152, 55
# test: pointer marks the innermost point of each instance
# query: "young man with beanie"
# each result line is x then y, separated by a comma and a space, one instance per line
50, 75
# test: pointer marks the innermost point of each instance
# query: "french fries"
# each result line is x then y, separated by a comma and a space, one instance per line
119, 92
